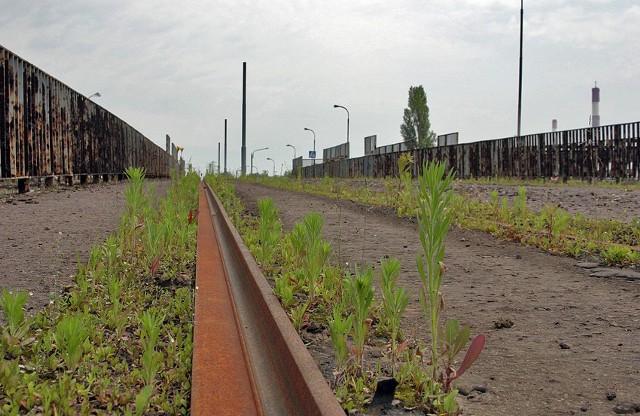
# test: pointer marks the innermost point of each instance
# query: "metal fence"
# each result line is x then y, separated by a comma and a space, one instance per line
591, 153
48, 129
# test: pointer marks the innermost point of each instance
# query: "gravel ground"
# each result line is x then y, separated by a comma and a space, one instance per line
560, 339
43, 232
572, 345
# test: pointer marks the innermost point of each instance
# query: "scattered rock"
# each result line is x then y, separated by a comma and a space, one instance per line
503, 323
564, 346
313, 328
611, 395
604, 273
518, 256
584, 408
626, 408
481, 389
588, 265
629, 274
463, 391
609, 272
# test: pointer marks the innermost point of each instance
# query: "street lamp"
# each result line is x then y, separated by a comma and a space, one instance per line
314, 139
274, 165
520, 70
294, 150
345, 108
97, 94
257, 150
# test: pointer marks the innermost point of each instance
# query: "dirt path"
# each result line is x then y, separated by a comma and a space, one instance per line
574, 337
595, 202
42, 232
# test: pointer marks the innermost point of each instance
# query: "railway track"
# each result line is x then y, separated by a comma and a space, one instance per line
247, 357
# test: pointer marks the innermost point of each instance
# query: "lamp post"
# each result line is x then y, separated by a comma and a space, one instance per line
274, 165
97, 94
314, 139
257, 150
520, 69
294, 150
345, 108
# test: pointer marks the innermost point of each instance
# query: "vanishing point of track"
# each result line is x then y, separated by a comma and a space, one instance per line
247, 357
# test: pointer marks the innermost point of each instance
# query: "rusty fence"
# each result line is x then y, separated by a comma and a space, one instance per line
48, 129
590, 153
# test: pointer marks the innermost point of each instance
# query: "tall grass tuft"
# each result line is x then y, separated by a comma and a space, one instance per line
360, 288
70, 334
12, 306
394, 301
269, 230
434, 221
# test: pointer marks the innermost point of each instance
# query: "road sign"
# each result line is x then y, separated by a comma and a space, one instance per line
312, 154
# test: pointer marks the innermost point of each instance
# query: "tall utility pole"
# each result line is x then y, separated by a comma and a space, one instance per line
244, 119
218, 158
520, 72
225, 145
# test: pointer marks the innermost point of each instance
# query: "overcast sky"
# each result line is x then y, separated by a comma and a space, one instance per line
175, 67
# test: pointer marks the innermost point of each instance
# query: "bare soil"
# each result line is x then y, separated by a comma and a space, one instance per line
559, 340
574, 338
44, 232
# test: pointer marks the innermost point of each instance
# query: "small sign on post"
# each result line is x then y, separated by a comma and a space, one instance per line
312, 154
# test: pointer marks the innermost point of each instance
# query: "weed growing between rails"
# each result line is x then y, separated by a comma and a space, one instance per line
434, 222
120, 342
405, 203
553, 229
317, 295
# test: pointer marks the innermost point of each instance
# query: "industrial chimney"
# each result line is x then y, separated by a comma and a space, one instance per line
554, 125
595, 106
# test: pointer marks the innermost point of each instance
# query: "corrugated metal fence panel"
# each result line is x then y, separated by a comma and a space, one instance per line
602, 152
46, 128
3, 115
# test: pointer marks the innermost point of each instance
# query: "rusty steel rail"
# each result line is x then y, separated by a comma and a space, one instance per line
247, 359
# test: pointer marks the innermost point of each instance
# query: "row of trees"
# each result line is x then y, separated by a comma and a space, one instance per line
416, 128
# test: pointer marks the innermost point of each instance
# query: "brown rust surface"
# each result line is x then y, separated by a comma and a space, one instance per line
47, 128
221, 377
286, 379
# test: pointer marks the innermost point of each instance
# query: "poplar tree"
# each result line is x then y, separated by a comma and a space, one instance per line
416, 128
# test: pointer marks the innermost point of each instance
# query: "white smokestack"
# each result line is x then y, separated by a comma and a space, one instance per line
595, 106
554, 125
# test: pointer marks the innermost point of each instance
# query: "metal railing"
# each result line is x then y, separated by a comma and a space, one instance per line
48, 129
611, 151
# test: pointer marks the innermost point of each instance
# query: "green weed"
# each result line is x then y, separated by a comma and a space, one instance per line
269, 230
395, 300
12, 306
360, 289
339, 329
70, 334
